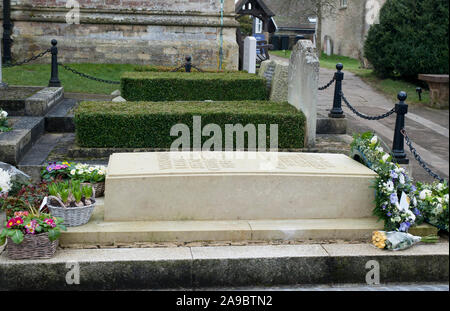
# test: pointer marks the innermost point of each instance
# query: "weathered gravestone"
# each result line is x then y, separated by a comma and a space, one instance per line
304, 83
280, 85
174, 186
266, 70
276, 74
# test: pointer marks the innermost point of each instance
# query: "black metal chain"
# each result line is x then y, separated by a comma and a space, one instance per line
359, 114
183, 66
32, 58
328, 84
83, 75
419, 158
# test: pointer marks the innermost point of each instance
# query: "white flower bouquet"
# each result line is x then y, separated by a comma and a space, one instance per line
5, 181
397, 241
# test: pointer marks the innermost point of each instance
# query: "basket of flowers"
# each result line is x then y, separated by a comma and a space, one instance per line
31, 235
93, 175
71, 201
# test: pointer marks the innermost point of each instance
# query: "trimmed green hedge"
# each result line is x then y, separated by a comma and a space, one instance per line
148, 124
193, 86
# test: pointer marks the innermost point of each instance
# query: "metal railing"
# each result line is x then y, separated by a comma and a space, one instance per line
400, 109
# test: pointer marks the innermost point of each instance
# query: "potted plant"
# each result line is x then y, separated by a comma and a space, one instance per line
20, 200
93, 175
32, 235
72, 201
56, 170
86, 174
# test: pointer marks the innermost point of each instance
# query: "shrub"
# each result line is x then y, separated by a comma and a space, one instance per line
412, 38
148, 124
194, 86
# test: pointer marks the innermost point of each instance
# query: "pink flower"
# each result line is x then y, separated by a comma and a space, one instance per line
31, 227
50, 222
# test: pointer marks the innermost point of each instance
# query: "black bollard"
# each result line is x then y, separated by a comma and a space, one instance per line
336, 111
398, 149
419, 92
188, 64
54, 80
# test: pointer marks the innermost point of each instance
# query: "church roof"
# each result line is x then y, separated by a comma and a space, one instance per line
287, 14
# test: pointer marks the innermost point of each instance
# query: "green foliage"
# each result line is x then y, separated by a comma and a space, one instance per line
194, 86
412, 38
148, 124
245, 25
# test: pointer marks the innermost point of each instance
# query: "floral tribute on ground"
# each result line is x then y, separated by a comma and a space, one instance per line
400, 202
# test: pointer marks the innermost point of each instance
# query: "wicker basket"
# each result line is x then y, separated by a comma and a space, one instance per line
2, 247
99, 188
73, 216
33, 247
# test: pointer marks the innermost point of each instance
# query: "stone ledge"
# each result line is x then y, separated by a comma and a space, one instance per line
41, 102
15, 143
331, 126
113, 234
183, 267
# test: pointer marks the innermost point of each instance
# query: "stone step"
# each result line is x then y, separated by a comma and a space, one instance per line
16, 143
229, 266
101, 232
60, 118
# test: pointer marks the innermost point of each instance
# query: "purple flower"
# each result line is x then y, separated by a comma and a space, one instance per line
383, 207
394, 198
394, 175
389, 214
417, 212
404, 226
413, 188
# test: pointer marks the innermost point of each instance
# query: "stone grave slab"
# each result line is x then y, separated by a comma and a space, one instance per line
172, 186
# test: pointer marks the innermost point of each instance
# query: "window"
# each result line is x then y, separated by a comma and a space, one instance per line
258, 25
343, 3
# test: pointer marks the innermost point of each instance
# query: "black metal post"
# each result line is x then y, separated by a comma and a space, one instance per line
419, 92
7, 31
188, 64
336, 111
398, 150
54, 80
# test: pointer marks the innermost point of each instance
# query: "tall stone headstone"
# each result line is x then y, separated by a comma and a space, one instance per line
250, 55
304, 83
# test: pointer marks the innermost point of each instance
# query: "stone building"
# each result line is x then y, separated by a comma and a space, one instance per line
280, 18
159, 32
344, 32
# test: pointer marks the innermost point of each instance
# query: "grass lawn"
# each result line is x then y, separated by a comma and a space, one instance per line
39, 74
390, 87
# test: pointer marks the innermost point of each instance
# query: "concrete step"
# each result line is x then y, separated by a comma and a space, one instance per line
228, 266
101, 232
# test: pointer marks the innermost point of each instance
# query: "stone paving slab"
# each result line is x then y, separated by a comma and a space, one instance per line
194, 267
